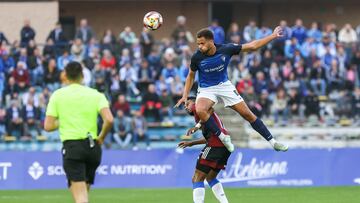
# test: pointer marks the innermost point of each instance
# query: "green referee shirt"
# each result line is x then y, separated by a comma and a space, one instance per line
76, 107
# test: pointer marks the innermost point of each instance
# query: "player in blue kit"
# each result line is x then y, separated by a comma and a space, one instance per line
212, 60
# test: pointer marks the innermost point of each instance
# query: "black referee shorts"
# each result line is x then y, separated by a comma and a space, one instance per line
80, 161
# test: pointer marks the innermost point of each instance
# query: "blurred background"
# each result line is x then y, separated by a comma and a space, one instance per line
305, 86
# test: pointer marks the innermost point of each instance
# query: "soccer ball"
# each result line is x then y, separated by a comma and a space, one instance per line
153, 20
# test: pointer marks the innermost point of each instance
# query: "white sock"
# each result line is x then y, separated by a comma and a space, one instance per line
218, 191
272, 142
221, 136
198, 192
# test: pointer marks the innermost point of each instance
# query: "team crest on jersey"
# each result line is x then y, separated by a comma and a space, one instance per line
223, 58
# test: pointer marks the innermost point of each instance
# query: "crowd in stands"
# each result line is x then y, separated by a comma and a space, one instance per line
313, 70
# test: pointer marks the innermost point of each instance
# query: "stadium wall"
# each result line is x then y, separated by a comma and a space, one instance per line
42, 15
167, 168
117, 15
270, 13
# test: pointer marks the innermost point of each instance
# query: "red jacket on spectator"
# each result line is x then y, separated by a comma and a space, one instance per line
125, 107
108, 64
242, 85
21, 75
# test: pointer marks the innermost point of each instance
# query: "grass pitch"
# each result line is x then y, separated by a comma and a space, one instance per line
235, 195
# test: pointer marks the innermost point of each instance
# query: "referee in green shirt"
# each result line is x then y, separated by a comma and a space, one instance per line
74, 111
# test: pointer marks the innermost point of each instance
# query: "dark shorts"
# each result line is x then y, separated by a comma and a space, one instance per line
80, 161
212, 158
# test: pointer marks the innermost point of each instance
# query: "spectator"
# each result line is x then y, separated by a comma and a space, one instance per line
177, 88
145, 75
52, 76
219, 34
139, 124
36, 68
11, 89
347, 35
169, 73
181, 35
3, 38
317, 78
78, 50
31, 95
108, 41
314, 32
27, 33
15, 122
151, 104
31, 117
108, 61
50, 50
250, 31
166, 105
279, 44
63, 60
2, 122
84, 32
129, 77
356, 104
58, 37
263, 32
128, 37
299, 31
122, 129
265, 104
122, 105
21, 76
234, 34
291, 47
280, 106
125, 57
146, 41
294, 102
7, 63
99, 75
312, 104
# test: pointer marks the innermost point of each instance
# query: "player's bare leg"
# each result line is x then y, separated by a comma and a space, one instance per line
216, 186
79, 191
198, 186
258, 125
203, 106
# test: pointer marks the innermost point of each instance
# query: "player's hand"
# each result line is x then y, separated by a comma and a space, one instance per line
100, 140
278, 32
184, 144
192, 131
181, 101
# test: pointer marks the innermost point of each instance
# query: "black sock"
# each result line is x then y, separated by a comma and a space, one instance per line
260, 127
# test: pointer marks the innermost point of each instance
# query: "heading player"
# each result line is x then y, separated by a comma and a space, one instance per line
212, 60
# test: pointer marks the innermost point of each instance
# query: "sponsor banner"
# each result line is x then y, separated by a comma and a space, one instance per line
169, 168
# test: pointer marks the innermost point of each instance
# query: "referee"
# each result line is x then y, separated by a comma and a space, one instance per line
74, 110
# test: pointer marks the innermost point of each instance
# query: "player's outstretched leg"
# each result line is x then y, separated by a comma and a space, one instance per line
258, 125
203, 106
218, 190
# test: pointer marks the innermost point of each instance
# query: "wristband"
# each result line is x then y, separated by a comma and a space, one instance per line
198, 125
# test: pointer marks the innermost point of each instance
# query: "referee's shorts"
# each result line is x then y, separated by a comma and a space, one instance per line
80, 161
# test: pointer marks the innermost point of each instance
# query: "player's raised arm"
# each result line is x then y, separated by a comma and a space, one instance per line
188, 84
256, 44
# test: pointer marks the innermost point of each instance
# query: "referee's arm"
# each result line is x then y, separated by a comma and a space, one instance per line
108, 120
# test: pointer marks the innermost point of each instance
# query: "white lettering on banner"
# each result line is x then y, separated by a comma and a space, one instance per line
139, 169
4, 166
55, 170
254, 170
102, 170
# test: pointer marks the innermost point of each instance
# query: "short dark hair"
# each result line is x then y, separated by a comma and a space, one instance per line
206, 33
73, 71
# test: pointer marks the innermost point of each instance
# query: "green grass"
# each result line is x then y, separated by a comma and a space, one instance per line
235, 195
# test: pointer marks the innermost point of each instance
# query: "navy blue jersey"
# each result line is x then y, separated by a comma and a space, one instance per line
213, 69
